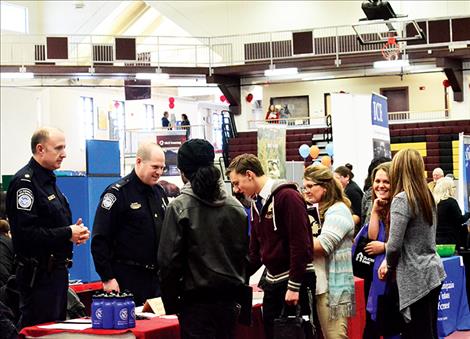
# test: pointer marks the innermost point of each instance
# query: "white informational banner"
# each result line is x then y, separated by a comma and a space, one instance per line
272, 150
360, 131
464, 172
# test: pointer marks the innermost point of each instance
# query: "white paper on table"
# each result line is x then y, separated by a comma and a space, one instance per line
147, 315
78, 320
170, 316
66, 326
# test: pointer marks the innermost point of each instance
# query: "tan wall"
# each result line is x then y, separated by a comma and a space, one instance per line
429, 99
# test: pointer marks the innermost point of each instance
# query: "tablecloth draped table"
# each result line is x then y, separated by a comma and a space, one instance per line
169, 328
452, 312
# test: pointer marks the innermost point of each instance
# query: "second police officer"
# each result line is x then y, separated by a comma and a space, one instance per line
127, 227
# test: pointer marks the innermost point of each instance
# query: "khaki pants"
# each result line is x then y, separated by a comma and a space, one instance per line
331, 329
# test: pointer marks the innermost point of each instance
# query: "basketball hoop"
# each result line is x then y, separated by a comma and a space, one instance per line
391, 49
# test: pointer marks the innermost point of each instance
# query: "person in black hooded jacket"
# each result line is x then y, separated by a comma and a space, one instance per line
203, 250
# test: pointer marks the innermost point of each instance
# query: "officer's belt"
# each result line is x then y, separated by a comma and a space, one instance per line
48, 264
150, 267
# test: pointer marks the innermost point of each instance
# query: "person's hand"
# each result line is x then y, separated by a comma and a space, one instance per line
80, 233
378, 205
111, 285
292, 298
383, 270
375, 247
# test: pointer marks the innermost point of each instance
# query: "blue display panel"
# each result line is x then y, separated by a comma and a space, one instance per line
83, 194
103, 158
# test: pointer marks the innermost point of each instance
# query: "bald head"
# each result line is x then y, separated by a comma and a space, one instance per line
48, 147
41, 135
149, 162
145, 149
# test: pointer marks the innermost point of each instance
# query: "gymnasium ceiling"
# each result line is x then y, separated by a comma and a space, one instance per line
215, 18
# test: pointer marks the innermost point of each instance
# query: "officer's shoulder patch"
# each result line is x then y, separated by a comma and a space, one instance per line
24, 199
108, 200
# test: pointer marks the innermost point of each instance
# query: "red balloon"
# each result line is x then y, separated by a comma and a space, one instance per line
445, 83
116, 104
223, 98
171, 99
171, 105
249, 97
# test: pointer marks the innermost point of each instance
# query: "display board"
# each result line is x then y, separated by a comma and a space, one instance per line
360, 131
272, 150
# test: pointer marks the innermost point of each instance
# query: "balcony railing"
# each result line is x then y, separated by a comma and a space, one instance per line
165, 51
319, 121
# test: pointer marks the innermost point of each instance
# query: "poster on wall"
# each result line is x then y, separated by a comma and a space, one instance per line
464, 182
292, 109
170, 143
102, 118
380, 130
272, 150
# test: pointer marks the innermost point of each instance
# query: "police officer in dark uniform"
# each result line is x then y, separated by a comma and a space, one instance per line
127, 227
42, 231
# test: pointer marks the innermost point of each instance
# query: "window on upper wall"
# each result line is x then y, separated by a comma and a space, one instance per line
88, 117
117, 122
14, 18
149, 116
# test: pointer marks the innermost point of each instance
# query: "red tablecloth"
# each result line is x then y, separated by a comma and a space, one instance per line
88, 287
157, 328
357, 323
145, 329
169, 328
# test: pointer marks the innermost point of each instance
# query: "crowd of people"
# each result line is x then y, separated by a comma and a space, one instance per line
198, 251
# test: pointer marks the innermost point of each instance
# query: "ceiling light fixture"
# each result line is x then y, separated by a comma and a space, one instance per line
387, 64
21, 74
280, 71
158, 75
16, 75
324, 77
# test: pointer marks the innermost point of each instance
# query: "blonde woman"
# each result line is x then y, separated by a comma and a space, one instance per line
332, 251
449, 215
411, 253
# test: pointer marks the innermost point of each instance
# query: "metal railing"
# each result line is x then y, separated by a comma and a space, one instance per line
320, 121
230, 50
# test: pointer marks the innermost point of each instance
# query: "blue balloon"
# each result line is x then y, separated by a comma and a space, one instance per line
304, 151
329, 149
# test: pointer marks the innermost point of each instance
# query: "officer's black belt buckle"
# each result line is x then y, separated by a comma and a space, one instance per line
149, 267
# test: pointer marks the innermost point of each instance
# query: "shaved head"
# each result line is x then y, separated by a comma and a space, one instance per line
41, 135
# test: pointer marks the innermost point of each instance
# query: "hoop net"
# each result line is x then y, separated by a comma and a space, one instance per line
391, 49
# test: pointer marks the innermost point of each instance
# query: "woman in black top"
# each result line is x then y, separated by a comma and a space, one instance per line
185, 124
354, 193
449, 216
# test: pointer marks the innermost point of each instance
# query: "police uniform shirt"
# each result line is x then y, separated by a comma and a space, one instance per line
127, 225
39, 214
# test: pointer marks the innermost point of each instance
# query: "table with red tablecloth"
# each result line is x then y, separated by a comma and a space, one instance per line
158, 327
165, 328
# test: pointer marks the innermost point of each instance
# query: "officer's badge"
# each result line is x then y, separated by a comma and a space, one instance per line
24, 199
135, 206
108, 201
